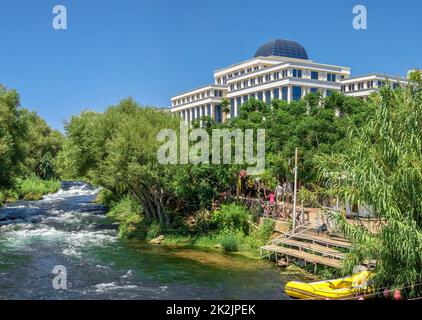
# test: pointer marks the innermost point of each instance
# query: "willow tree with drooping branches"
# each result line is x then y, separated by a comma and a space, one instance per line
382, 169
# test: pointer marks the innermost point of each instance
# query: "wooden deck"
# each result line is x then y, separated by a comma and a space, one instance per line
322, 240
305, 256
306, 246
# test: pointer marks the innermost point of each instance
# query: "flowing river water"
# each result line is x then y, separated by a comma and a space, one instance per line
68, 229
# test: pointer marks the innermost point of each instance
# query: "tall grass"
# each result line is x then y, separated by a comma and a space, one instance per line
33, 188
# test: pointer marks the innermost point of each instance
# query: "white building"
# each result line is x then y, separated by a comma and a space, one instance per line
281, 70
363, 86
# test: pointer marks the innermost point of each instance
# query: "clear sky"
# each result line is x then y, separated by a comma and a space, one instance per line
152, 50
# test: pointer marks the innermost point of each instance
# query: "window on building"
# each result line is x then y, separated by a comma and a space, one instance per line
245, 99
209, 110
232, 107
314, 75
331, 77
297, 93
276, 76
260, 96
314, 90
284, 73
245, 83
253, 81
329, 93
218, 113
267, 78
239, 103
276, 93
285, 93
252, 95
268, 96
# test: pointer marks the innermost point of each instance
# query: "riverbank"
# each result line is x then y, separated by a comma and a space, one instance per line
29, 189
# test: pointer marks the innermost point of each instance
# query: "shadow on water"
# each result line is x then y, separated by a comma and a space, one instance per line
67, 229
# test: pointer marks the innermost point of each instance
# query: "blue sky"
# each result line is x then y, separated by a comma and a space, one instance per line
153, 49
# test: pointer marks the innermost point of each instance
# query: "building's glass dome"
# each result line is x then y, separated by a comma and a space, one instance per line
282, 48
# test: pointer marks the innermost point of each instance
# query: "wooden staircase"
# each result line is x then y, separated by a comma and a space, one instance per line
307, 245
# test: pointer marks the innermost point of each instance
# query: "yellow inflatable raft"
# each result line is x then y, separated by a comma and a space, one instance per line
344, 288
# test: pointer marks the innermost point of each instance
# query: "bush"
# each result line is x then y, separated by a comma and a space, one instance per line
154, 231
107, 198
266, 230
229, 241
232, 217
128, 213
33, 188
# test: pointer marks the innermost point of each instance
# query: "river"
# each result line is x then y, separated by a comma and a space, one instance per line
68, 229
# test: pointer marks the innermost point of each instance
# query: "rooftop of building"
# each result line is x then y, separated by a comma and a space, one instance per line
282, 48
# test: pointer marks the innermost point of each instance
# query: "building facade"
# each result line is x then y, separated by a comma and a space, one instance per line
363, 86
280, 70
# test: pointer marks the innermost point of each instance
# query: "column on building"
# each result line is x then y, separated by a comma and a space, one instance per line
212, 111
289, 94
304, 91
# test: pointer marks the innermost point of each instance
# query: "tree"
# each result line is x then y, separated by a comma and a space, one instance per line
12, 133
382, 169
311, 124
41, 144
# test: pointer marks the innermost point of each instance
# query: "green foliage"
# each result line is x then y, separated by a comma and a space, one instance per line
41, 144
229, 241
13, 130
107, 198
33, 188
383, 170
266, 230
154, 230
128, 213
232, 217
27, 148
312, 125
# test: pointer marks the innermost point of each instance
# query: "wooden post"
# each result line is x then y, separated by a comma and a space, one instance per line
295, 191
